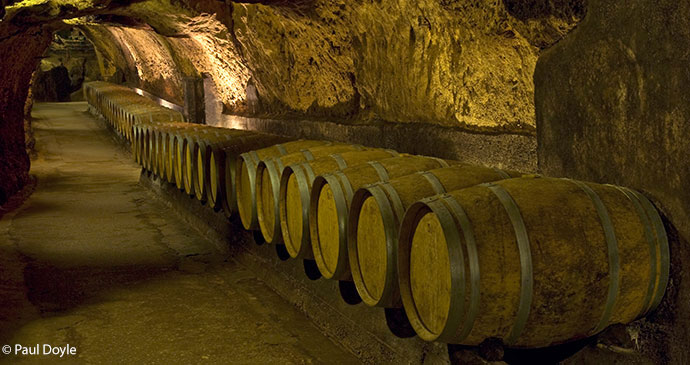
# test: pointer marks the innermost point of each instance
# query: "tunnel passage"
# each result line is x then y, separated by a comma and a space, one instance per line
505, 84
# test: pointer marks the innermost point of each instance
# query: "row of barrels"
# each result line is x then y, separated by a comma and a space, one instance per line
123, 108
469, 252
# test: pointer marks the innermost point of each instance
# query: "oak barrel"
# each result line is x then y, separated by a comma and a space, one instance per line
295, 190
221, 172
189, 156
246, 174
202, 151
170, 135
531, 261
330, 200
375, 215
268, 174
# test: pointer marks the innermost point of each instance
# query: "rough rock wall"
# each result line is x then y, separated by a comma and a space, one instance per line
67, 63
52, 84
149, 55
456, 63
110, 55
612, 106
141, 57
466, 64
212, 50
26, 31
20, 54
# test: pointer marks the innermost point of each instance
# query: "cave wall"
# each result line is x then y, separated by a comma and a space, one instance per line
612, 107
212, 51
26, 31
65, 66
20, 54
465, 64
150, 61
461, 64
140, 57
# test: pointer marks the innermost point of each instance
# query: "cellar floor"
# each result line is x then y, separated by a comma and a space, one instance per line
93, 260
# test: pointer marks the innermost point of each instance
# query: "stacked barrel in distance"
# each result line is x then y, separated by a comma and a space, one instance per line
197, 159
469, 252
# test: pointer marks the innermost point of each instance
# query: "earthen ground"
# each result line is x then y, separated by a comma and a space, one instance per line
93, 260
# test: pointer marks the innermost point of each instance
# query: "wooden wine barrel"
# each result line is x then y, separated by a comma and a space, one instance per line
203, 148
167, 158
175, 138
138, 143
144, 144
177, 141
375, 215
295, 190
147, 150
159, 145
181, 154
136, 115
189, 157
160, 150
532, 261
330, 200
177, 149
221, 173
157, 150
246, 174
149, 146
167, 148
268, 174
156, 136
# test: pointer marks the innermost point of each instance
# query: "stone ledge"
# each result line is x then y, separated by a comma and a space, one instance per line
506, 151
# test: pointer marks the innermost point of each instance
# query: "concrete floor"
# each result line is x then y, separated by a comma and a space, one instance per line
92, 260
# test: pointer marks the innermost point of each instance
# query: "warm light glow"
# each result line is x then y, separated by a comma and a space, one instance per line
218, 57
234, 122
161, 102
152, 60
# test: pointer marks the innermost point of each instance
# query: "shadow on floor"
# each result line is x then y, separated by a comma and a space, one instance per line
30, 289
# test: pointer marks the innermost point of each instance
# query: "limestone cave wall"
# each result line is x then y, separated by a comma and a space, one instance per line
65, 66
19, 55
139, 56
461, 64
465, 64
611, 103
